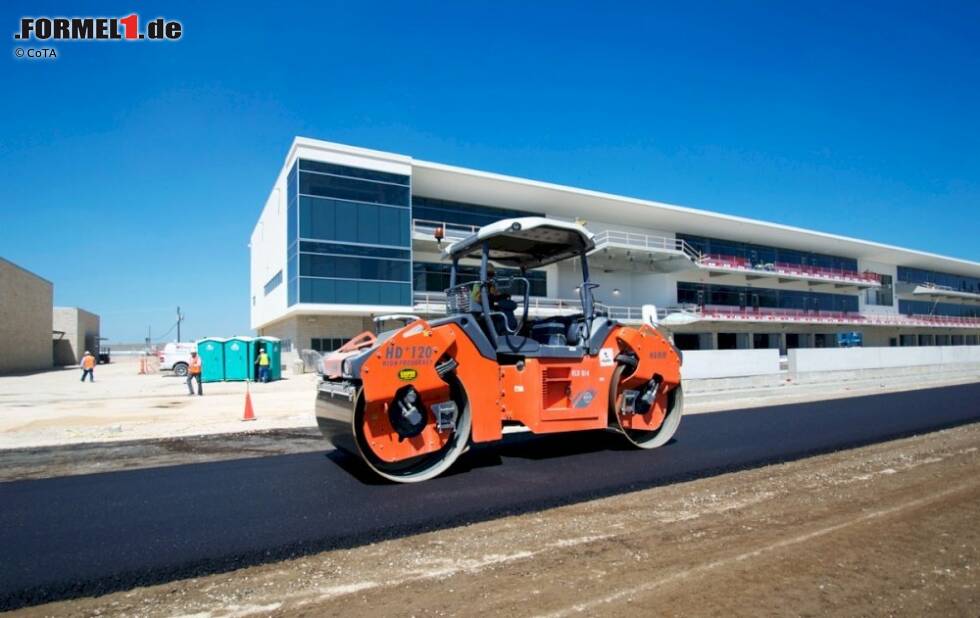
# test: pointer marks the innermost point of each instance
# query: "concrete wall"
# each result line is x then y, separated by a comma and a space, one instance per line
25, 319
850, 359
81, 330
701, 364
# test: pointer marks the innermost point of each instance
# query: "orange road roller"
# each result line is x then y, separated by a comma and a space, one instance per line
414, 401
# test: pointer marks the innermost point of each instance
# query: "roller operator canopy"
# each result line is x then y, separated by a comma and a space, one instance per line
527, 242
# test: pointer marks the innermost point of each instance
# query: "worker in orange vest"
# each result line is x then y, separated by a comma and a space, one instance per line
194, 373
88, 366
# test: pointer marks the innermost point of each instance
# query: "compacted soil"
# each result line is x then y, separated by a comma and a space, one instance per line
889, 529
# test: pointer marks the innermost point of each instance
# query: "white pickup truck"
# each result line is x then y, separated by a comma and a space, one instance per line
176, 357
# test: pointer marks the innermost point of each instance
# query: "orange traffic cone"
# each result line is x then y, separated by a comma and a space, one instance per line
249, 412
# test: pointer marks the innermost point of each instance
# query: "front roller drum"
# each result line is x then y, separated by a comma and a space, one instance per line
340, 416
335, 402
647, 439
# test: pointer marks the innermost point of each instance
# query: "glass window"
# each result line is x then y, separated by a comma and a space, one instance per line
291, 185
292, 291
353, 189
434, 277
328, 219
927, 307
736, 296
445, 211
762, 256
928, 277
355, 172
314, 265
292, 218
327, 344
355, 250
883, 295
350, 291
273, 283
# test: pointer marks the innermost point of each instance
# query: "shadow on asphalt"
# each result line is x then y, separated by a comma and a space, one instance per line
515, 446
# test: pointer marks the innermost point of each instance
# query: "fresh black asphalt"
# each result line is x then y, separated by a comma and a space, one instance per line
91, 534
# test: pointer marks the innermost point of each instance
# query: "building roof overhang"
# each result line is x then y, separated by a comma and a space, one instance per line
460, 184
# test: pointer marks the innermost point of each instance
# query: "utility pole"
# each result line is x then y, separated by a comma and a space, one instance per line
180, 318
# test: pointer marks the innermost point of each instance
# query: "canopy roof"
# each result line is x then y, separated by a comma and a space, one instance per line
527, 242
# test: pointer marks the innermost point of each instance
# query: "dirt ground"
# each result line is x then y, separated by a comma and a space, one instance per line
889, 529
53, 407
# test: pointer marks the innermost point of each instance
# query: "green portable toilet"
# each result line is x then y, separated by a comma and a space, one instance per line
211, 350
237, 363
272, 347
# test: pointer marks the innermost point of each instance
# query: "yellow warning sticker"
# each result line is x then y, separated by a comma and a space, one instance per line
407, 375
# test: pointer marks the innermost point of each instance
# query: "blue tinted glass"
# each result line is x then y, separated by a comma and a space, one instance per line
925, 307
291, 185
291, 271
730, 295
291, 221
355, 250
434, 277
350, 292
956, 282
273, 283
291, 292
356, 172
354, 268
762, 255
445, 211
338, 220
353, 189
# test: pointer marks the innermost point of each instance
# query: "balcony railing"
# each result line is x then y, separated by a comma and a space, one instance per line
451, 231
726, 313
832, 275
435, 303
931, 289
646, 241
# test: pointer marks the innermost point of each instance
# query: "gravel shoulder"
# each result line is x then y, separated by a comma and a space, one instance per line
888, 529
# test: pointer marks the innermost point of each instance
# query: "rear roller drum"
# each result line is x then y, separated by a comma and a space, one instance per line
642, 438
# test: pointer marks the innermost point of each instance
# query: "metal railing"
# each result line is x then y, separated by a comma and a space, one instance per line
713, 261
731, 262
647, 241
451, 231
435, 303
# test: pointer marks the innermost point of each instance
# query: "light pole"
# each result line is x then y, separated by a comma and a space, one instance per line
180, 318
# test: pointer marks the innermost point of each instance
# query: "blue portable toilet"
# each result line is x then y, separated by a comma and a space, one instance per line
237, 358
211, 351
272, 347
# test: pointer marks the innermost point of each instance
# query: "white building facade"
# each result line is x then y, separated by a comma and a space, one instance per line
349, 233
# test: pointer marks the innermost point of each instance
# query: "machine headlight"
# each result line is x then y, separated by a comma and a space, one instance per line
345, 369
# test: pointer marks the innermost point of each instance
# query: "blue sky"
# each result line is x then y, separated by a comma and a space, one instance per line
131, 174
